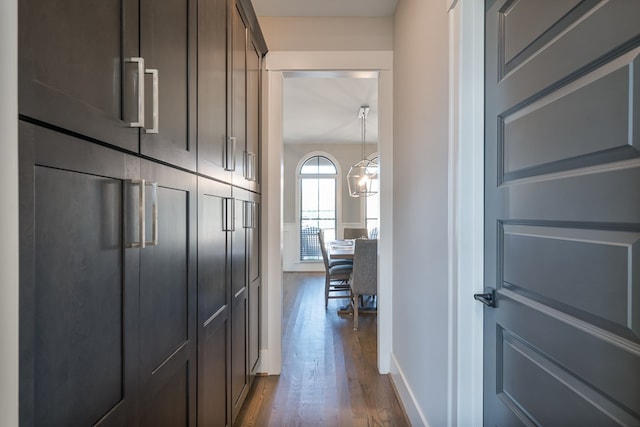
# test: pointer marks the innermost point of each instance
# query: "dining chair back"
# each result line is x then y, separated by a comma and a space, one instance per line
364, 278
355, 233
336, 281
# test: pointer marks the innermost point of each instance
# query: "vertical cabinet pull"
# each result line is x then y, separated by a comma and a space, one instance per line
155, 114
141, 72
142, 213
230, 154
253, 167
228, 214
249, 220
154, 214
246, 220
250, 168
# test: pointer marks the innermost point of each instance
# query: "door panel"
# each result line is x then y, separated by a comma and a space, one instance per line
562, 213
239, 310
213, 304
78, 297
167, 43
255, 294
212, 88
164, 284
72, 75
212, 373
238, 93
253, 118
168, 297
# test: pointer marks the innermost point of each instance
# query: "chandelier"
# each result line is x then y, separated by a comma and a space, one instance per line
362, 174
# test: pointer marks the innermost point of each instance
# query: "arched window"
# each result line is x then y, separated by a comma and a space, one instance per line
318, 177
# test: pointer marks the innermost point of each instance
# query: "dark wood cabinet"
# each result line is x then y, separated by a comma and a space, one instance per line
255, 288
73, 67
254, 88
119, 72
212, 90
238, 98
94, 286
214, 321
168, 339
79, 282
239, 308
168, 34
245, 291
140, 282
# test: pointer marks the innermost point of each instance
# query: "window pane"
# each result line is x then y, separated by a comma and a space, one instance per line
309, 198
326, 166
317, 205
318, 165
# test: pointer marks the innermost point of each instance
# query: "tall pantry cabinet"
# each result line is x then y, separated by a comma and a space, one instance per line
135, 229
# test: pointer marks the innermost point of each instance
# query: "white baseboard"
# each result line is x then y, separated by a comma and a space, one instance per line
408, 400
263, 364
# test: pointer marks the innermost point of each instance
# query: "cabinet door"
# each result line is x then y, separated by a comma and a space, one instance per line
168, 45
239, 311
253, 244
168, 299
213, 303
212, 89
253, 118
238, 95
78, 283
73, 72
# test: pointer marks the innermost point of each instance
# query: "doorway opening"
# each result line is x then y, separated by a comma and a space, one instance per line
281, 66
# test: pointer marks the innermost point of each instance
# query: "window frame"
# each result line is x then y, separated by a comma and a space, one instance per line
337, 177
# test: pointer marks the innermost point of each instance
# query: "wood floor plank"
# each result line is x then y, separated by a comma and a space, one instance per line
329, 371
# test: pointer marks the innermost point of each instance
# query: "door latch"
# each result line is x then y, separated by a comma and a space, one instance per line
488, 299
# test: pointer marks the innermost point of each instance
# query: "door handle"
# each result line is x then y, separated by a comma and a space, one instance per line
229, 213
488, 299
141, 72
155, 113
154, 214
141, 214
230, 154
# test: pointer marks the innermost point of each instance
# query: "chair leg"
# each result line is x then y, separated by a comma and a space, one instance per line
355, 303
327, 283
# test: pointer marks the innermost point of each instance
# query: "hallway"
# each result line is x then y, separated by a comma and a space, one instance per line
329, 375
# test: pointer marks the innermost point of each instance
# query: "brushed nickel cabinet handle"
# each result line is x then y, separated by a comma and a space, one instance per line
230, 154
155, 111
154, 214
141, 72
141, 214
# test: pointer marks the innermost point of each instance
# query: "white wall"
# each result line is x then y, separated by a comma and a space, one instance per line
327, 33
421, 316
9, 213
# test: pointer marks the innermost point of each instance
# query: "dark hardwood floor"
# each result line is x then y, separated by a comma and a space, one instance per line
329, 371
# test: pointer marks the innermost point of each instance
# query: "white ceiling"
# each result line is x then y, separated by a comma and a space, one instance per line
323, 107
324, 7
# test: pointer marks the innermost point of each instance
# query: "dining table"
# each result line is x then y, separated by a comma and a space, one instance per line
341, 249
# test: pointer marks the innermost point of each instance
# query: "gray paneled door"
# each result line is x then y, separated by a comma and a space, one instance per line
562, 214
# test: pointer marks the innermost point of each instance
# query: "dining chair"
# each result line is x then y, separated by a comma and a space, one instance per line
364, 277
332, 261
355, 233
373, 234
336, 280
